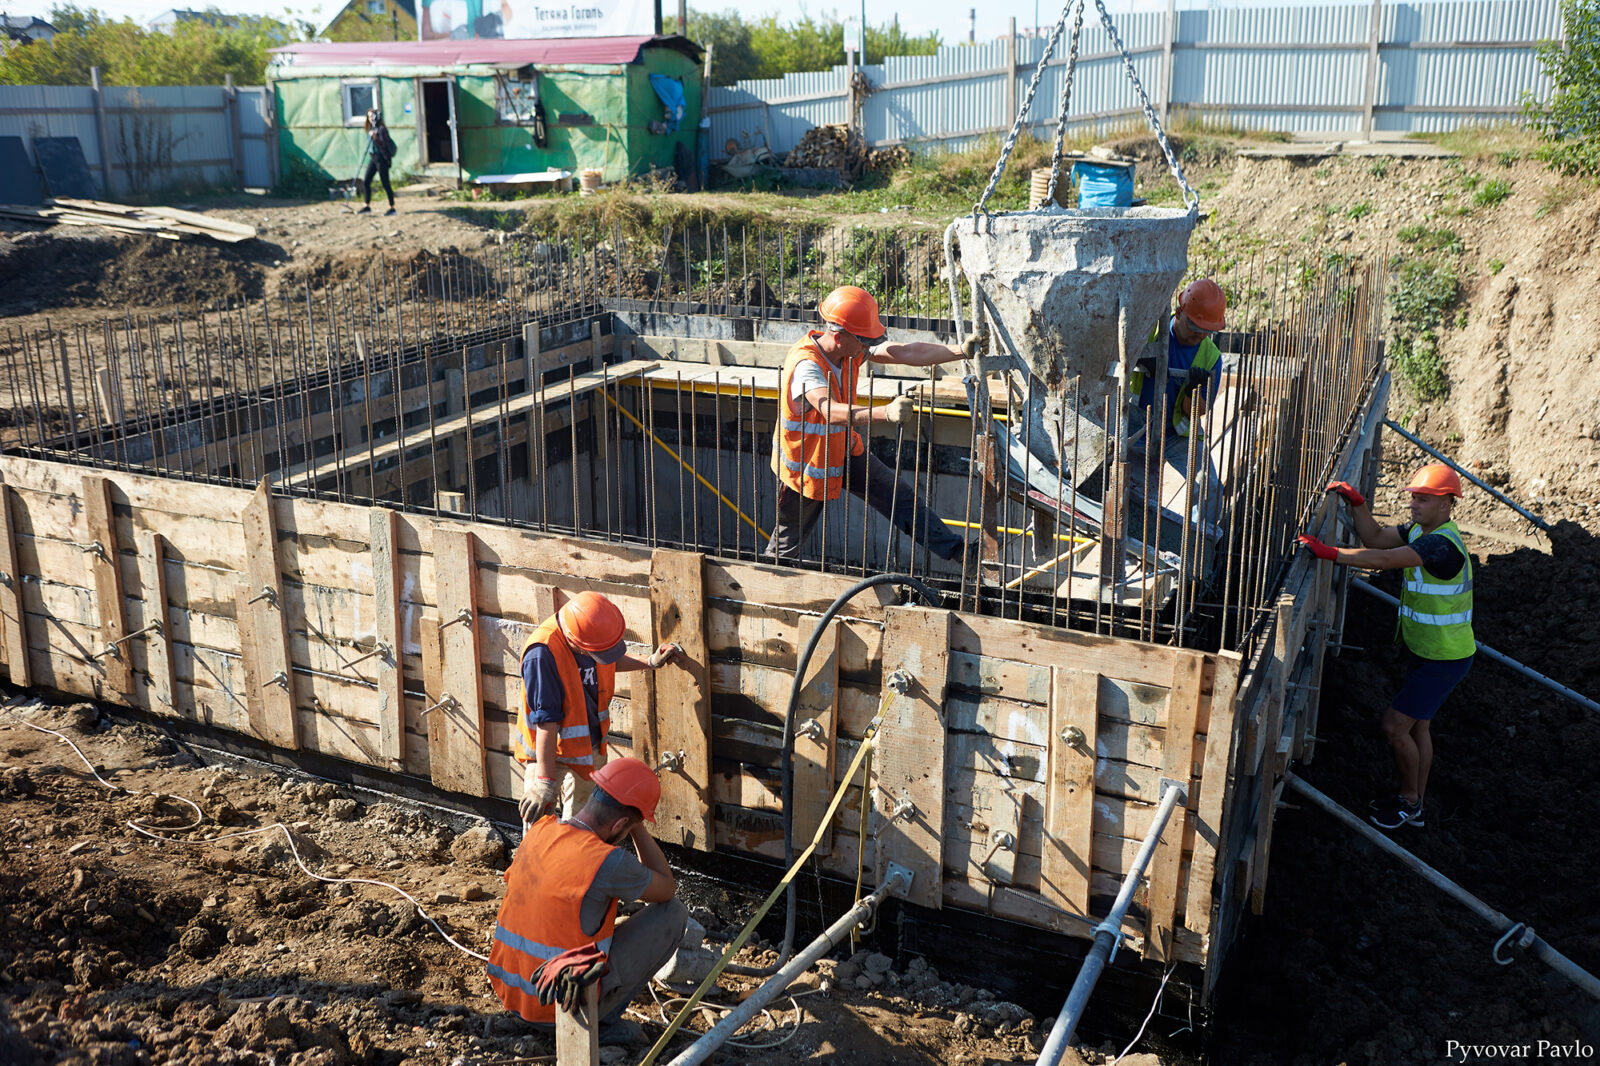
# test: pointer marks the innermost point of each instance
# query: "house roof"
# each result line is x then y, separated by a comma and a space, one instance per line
496, 53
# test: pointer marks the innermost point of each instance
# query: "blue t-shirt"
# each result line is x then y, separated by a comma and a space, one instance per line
545, 696
1180, 358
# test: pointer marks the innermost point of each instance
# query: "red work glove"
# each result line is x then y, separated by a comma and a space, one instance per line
1319, 549
1349, 492
562, 978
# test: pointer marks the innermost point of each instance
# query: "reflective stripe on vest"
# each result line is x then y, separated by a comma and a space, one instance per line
573, 744
541, 915
1436, 615
809, 453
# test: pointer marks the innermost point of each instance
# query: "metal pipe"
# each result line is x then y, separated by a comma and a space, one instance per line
1503, 925
701, 1050
1108, 933
1500, 657
1458, 468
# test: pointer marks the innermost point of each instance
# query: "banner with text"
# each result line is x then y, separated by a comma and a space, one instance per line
522, 19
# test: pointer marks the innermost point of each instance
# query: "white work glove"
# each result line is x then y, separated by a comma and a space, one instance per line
900, 410
538, 794
665, 654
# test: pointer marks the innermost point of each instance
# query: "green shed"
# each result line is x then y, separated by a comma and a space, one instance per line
460, 110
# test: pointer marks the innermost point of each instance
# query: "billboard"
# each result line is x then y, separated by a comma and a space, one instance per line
463, 19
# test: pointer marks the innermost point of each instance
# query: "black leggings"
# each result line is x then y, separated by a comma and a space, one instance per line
380, 168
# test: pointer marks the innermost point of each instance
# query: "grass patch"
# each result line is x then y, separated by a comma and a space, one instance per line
1496, 265
1379, 166
1484, 142
1421, 293
1431, 240
1555, 198
1359, 211
1190, 122
1492, 192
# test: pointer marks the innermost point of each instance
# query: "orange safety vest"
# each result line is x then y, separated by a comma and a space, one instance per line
573, 747
539, 918
808, 454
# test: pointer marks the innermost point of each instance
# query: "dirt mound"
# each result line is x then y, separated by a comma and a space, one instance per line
43, 271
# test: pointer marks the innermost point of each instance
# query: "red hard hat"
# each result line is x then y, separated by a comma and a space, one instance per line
630, 782
1436, 479
593, 624
1204, 303
853, 310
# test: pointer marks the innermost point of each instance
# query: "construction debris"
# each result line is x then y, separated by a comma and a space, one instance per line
169, 223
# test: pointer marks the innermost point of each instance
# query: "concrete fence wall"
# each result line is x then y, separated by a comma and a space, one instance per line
144, 139
1352, 70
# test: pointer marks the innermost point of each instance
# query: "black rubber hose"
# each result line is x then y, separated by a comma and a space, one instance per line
786, 754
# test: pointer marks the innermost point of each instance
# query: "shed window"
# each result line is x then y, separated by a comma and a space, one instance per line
358, 97
515, 97
377, 7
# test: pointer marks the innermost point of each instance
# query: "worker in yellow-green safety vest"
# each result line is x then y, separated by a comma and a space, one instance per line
1193, 363
1435, 621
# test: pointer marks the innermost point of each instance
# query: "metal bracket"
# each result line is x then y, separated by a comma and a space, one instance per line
1518, 938
1075, 738
267, 593
899, 681
1181, 786
111, 646
445, 700
899, 873
811, 729
279, 678
672, 762
94, 548
382, 651
462, 618
999, 840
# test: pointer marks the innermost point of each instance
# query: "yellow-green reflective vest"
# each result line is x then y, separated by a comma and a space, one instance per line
1436, 615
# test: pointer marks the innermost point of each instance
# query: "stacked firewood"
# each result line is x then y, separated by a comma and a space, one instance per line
886, 160
839, 147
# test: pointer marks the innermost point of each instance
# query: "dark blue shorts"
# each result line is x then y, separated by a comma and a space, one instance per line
1428, 682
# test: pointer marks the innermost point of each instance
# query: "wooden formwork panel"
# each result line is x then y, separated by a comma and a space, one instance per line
351, 577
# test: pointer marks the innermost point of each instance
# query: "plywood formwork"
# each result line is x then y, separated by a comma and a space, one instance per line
342, 590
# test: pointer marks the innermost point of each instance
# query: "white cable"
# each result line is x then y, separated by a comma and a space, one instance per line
789, 1031
153, 832
1136, 1036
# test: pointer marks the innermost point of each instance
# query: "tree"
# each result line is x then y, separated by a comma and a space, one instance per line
1569, 122
768, 48
194, 53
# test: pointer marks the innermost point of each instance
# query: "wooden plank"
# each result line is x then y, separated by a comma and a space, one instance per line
107, 577
682, 700
1070, 806
269, 620
458, 763
157, 643
433, 725
1270, 734
578, 1034
1182, 712
1209, 805
816, 714
11, 614
250, 660
1004, 842
1043, 645
911, 761
390, 668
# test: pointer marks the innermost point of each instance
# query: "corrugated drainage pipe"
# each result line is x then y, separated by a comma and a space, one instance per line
1108, 934
702, 1049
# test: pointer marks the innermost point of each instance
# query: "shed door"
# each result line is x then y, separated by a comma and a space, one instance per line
254, 133
438, 120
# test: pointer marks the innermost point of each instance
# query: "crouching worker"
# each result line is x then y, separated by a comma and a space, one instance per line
562, 892
569, 670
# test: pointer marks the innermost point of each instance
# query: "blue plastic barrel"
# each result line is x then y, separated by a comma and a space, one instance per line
1103, 184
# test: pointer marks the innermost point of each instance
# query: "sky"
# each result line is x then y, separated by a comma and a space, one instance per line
950, 18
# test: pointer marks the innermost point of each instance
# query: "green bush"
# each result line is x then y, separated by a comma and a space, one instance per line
1360, 210
1569, 122
1496, 265
1379, 166
1431, 240
1421, 292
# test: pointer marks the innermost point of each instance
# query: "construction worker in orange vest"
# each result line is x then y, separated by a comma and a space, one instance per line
1435, 622
562, 892
569, 668
817, 453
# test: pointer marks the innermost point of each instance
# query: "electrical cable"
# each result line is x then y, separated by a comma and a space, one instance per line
773, 1025
1155, 1004
154, 832
786, 750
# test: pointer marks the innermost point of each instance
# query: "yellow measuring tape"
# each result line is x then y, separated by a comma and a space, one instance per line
750, 927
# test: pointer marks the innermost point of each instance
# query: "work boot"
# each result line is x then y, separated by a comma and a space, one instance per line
623, 1031
1383, 806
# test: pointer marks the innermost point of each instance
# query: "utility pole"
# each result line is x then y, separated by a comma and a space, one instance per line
683, 18
972, 26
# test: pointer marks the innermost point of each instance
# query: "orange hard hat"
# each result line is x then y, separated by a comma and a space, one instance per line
1204, 303
630, 782
1436, 479
853, 310
593, 624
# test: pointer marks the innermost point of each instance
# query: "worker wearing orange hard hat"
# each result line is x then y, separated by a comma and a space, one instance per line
817, 454
1193, 363
1435, 620
569, 668
562, 893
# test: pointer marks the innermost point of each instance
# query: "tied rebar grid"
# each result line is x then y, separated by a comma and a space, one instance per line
368, 390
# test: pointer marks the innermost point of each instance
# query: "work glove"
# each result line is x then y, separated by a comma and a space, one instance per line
976, 344
1317, 548
561, 980
539, 794
900, 410
1351, 494
665, 654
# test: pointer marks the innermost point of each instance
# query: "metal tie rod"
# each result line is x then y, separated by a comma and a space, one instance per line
1458, 468
1508, 929
1108, 934
1498, 656
899, 879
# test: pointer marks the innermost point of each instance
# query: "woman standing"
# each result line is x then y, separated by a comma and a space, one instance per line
380, 152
